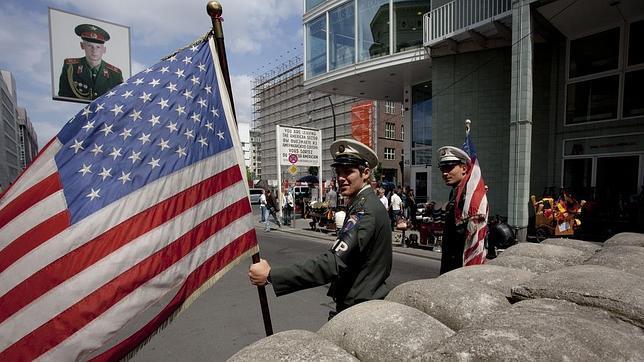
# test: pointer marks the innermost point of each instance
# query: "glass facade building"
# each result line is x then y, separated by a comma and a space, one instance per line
421, 122
359, 31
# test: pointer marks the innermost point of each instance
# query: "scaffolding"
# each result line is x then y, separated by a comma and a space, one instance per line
269, 80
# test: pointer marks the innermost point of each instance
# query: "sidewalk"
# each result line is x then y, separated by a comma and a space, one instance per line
301, 227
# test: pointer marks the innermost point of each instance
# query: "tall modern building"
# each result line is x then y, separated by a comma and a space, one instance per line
279, 98
27, 139
374, 49
551, 88
9, 147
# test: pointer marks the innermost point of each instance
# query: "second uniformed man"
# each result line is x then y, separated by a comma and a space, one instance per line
359, 262
89, 77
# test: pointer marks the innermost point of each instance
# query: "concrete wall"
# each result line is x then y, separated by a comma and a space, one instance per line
476, 86
547, 114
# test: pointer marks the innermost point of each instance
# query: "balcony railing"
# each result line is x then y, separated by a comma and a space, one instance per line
459, 15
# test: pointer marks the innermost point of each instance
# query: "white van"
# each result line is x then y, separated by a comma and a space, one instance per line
254, 195
301, 192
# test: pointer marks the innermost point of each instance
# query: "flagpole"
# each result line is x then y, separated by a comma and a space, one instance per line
215, 10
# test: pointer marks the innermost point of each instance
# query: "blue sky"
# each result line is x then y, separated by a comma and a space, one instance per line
259, 34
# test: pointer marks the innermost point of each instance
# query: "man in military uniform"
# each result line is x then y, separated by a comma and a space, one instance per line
359, 262
89, 77
454, 164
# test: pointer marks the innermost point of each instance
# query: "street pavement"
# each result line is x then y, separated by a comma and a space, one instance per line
227, 317
302, 227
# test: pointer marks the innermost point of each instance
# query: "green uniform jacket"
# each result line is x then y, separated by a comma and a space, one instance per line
363, 277
76, 80
453, 244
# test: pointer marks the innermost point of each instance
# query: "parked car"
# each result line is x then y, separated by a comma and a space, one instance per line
301, 192
254, 195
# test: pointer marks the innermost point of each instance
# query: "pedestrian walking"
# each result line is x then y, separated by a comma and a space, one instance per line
396, 206
383, 198
263, 208
359, 262
288, 202
272, 206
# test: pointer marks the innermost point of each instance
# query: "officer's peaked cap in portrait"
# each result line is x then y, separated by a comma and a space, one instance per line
450, 155
92, 33
349, 152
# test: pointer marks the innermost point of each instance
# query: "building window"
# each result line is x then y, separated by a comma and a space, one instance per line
390, 130
587, 58
390, 107
592, 100
310, 4
402, 132
316, 47
390, 153
342, 36
408, 23
604, 82
633, 101
421, 124
373, 28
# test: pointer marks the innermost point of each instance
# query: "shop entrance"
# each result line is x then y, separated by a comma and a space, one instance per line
613, 188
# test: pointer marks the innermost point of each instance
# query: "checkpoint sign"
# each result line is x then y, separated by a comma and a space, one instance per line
299, 146
292, 170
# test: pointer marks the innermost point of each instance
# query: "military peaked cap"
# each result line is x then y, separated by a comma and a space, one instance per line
450, 155
92, 33
348, 152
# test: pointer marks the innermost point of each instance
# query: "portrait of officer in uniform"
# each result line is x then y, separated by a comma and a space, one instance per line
89, 77
359, 262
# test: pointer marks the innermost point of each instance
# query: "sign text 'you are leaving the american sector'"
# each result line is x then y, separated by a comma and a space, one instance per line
305, 144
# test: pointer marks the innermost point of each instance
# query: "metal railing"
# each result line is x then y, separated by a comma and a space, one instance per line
444, 21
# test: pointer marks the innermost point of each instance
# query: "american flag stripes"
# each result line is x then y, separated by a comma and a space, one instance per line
472, 192
140, 199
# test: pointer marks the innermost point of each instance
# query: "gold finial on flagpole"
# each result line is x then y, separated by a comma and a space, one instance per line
215, 10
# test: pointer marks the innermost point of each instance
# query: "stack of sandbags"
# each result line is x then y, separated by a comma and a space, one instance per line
573, 300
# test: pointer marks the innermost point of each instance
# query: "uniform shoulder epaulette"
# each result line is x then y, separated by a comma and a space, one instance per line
72, 61
112, 68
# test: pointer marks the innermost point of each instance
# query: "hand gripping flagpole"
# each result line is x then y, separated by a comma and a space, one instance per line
215, 10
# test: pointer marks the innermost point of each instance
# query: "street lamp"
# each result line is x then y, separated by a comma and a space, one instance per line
310, 95
402, 170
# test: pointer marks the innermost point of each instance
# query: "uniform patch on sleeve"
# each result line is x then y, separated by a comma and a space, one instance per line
352, 221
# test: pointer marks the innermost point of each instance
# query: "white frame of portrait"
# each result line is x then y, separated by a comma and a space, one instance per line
64, 43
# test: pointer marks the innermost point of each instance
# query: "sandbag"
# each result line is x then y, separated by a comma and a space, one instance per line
622, 257
294, 345
632, 239
497, 277
581, 245
610, 289
561, 254
456, 303
534, 265
544, 330
379, 330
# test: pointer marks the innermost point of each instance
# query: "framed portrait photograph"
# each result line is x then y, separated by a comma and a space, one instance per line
88, 56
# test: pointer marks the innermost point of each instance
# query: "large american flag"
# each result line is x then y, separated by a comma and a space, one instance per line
471, 194
140, 199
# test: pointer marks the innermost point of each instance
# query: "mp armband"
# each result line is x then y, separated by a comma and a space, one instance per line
347, 243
